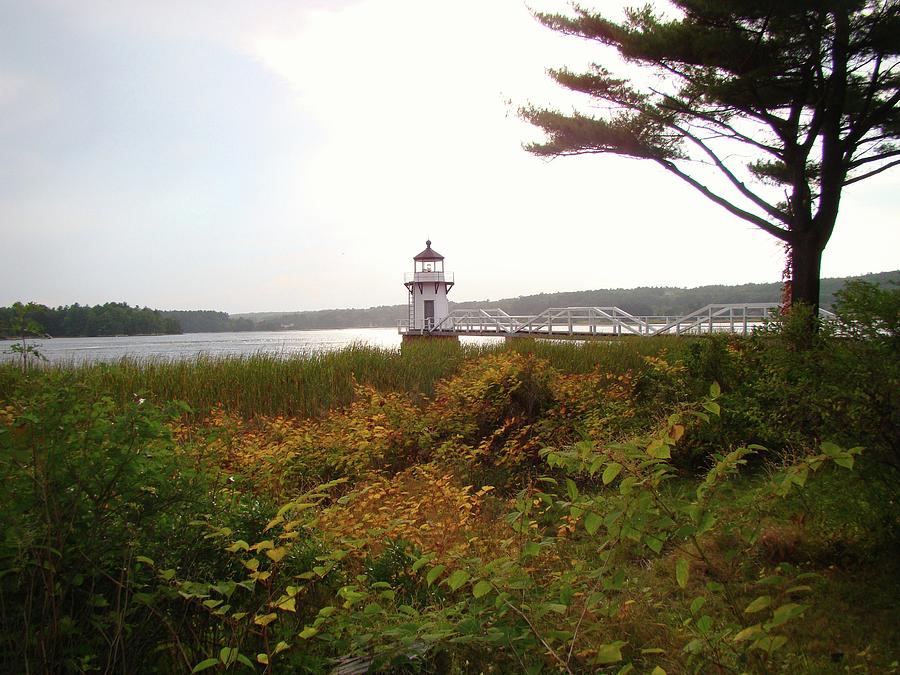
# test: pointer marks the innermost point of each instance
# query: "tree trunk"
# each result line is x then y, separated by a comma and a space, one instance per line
806, 262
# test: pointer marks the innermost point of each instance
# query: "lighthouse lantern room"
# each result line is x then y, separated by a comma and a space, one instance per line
428, 286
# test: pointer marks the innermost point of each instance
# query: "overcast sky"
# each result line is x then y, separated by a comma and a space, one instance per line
291, 155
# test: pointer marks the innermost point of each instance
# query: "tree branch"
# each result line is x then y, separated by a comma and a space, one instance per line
873, 158
761, 223
738, 184
874, 172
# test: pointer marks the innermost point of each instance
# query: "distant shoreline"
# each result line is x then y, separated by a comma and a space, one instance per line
640, 301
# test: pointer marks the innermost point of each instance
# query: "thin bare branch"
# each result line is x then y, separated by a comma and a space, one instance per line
874, 172
750, 217
734, 180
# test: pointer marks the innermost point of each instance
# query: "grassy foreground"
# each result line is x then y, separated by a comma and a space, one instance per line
660, 506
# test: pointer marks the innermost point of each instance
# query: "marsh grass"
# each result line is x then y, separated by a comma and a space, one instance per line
310, 385
262, 384
614, 355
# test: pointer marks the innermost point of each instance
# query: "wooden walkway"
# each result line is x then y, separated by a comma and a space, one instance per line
600, 322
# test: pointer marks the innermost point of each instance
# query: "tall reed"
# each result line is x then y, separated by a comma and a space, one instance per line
309, 385
615, 355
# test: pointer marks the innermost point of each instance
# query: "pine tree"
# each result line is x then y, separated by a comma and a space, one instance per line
808, 90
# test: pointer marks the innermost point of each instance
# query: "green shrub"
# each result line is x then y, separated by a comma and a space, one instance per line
86, 485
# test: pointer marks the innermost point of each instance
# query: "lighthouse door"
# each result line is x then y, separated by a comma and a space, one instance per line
429, 314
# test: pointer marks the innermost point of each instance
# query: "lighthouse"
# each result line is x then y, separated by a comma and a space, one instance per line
428, 285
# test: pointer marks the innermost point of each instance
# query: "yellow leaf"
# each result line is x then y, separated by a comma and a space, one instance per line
286, 604
265, 619
277, 554
272, 523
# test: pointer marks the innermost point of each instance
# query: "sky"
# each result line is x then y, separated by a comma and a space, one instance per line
287, 155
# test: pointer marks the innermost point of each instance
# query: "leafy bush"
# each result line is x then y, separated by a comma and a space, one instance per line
86, 485
637, 521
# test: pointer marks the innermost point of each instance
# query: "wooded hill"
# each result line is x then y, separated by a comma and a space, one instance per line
121, 319
664, 300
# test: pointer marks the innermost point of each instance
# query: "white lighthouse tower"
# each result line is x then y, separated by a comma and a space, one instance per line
428, 286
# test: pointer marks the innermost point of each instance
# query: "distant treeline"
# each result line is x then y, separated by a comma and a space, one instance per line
668, 301
655, 301
374, 317
113, 318
208, 321
120, 319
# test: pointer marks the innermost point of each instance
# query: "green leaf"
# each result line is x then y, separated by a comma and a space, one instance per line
760, 603
572, 489
609, 653
434, 573
771, 580
613, 470
831, 449
769, 643
658, 671
659, 450
787, 612
481, 589
421, 562
715, 390
712, 407
697, 603
307, 632
592, 522
263, 659
203, 665
531, 548
228, 655
799, 589
653, 543
627, 485
682, 570
457, 579
748, 633
704, 623
695, 646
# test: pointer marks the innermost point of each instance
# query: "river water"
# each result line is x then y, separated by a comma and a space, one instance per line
192, 345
